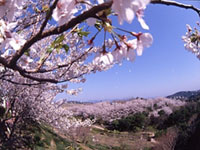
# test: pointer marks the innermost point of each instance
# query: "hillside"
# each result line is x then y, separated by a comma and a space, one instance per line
184, 95
138, 124
36, 136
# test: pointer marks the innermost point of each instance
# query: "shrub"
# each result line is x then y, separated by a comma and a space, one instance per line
130, 123
181, 117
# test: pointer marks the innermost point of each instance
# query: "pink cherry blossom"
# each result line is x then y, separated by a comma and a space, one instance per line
140, 15
64, 11
105, 60
139, 6
9, 8
144, 40
131, 55
191, 41
127, 9
5, 29
120, 53
124, 10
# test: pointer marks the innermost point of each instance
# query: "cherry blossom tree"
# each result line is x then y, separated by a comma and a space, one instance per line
109, 111
49, 41
20, 105
45, 43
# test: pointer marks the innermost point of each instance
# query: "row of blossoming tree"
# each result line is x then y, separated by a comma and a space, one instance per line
45, 43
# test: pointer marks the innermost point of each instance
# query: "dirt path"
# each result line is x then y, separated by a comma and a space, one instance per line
97, 127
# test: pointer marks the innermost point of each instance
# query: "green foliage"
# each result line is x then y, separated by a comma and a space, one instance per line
57, 44
59, 39
81, 33
194, 98
66, 47
161, 113
45, 138
181, 117
37, 136
130, 123
155, 106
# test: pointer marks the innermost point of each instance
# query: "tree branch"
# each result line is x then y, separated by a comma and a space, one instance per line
59, 66
18, 83
3, 61
57, 30
88, 14
48, 15
60, 29
174, 3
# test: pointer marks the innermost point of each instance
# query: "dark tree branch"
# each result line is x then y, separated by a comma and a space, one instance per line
57, 30
88, 14
17, 83
92, 13
177, 4
12, 64
3, 61
48, 15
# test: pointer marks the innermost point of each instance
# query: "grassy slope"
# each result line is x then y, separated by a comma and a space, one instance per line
44, 139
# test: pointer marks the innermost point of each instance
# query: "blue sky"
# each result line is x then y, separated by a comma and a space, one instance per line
164, 68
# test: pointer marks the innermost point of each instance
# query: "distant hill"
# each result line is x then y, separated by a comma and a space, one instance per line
186, 95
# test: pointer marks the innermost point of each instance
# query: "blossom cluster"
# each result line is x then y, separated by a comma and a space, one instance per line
36, 104
191, 40
49, 42
126, 10
63, 57
110, 111
126, 50
10, 8
65, 10
9, 42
